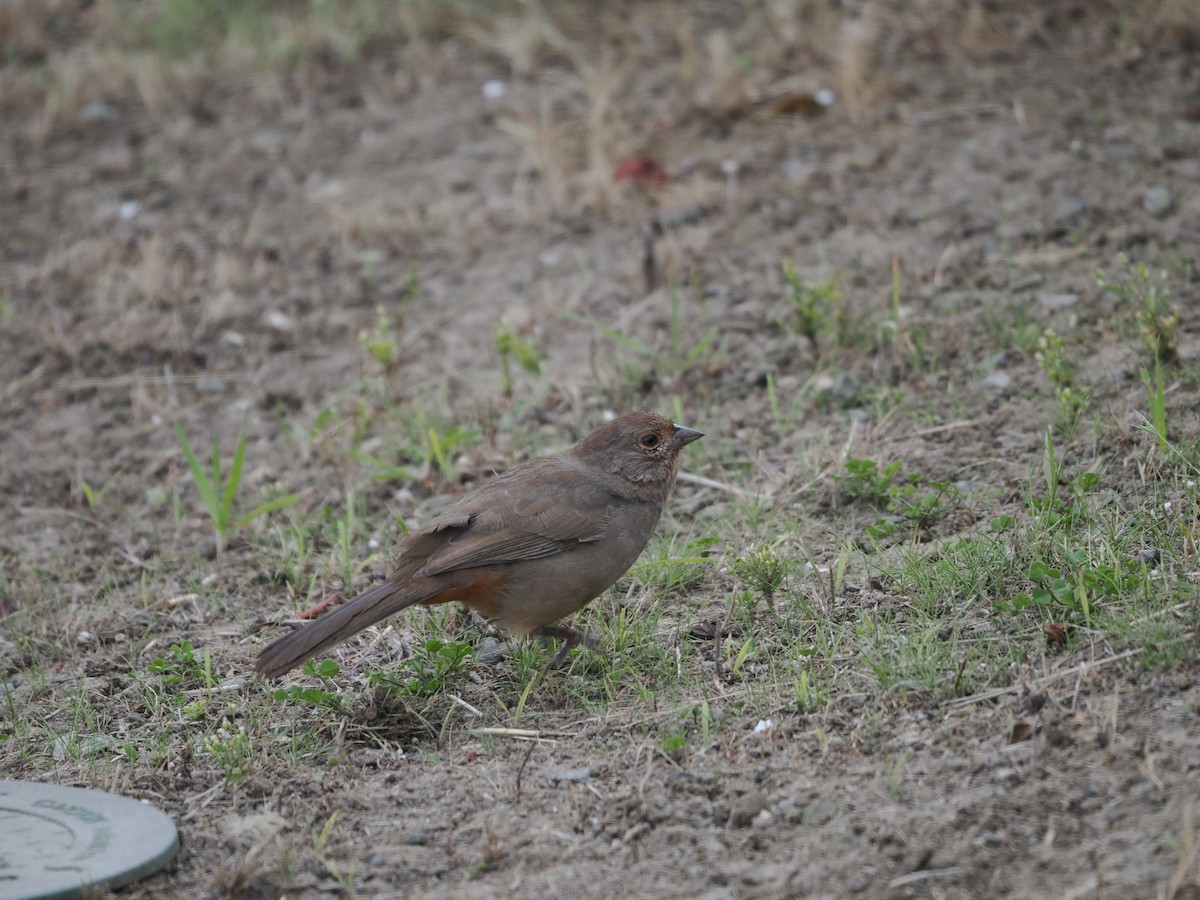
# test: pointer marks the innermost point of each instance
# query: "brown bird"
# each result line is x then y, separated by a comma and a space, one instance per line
528, 547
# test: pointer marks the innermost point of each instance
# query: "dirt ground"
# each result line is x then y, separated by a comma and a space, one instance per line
208, 240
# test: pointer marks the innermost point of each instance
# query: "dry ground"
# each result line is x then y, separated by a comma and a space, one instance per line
312, 225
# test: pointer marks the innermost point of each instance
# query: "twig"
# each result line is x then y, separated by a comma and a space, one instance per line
520, 734
521, 770
465, 705
949, 426
1079, 670
700, 480
914, 877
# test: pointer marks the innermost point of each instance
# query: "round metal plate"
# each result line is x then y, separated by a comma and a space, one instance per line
57, 841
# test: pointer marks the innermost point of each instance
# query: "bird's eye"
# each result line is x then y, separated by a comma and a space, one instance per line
649, 440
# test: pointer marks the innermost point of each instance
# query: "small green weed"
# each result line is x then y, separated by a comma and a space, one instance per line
1052, 359
902, 500
817, 309
1157, 321
313, 696
217, 493
808, 694
95, 496
866, 482
181, 665
429, 668
668, 571
232, 749
763, 570
381, 341
439, 446
1157, 402
512, 349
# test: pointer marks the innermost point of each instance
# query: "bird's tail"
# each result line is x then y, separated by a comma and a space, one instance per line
330, 630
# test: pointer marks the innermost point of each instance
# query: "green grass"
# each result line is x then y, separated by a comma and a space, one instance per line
218, 490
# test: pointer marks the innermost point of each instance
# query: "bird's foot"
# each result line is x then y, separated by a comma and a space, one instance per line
571, 639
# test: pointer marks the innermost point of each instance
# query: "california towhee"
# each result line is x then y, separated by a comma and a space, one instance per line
527, 548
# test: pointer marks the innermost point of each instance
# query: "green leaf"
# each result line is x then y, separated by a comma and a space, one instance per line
234, 479
268, 507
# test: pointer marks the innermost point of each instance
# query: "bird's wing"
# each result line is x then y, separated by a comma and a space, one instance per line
509, 520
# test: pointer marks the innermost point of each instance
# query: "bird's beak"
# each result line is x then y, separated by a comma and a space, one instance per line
684, 436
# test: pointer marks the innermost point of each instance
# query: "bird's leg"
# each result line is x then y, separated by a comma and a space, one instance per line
571, 639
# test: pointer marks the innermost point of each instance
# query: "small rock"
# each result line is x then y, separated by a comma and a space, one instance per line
255, 826
997, 360
746, 808
211, 385
278, 321
114, 161
1056, 302
841, 387
1122, 151
1069, 210
94, 113
990, 839
493, 651
780, 212
820, 812
574, 776
998, 380
1150, 555
858, 416
1157, 201
797, 171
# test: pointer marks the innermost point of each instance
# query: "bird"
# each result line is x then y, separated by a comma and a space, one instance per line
528, 547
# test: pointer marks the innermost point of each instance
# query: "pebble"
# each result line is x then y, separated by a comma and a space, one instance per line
840, 387
990, 839
858, 416
279, 321
797, 171
820, 812
1069, 210
574, 776
746, 808
998, 380
97, 112
1055, 302
997, 360
1157, 201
